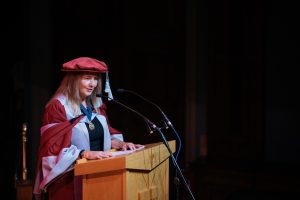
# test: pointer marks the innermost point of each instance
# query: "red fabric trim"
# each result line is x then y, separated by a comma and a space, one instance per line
58, 136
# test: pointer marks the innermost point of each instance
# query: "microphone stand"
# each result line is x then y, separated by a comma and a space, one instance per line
175, 162
168, 122
150, 123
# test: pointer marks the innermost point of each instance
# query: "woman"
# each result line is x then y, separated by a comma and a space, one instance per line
75, 126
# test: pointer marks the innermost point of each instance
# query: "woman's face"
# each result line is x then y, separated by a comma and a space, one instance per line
87, 84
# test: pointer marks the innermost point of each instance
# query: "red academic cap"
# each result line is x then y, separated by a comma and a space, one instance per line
85, 64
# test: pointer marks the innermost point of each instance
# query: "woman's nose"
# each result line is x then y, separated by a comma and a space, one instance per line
93, 83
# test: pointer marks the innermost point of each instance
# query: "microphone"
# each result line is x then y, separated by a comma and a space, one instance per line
149, 123
162, 113
163, 137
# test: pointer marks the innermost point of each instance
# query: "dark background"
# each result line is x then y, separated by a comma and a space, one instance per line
224, 72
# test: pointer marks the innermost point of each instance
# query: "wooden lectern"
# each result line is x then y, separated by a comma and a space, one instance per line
141, 175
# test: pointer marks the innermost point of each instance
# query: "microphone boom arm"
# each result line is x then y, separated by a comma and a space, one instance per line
148, 121
161, 112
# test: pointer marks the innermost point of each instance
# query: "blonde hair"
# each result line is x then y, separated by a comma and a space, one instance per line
69, 87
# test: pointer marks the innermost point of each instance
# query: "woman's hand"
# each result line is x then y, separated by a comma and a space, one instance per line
117, 144
93, 155
130, 146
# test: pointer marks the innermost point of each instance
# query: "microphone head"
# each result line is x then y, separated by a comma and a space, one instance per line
103, 96
120, 90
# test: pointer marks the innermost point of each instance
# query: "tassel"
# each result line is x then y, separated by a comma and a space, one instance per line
107, 87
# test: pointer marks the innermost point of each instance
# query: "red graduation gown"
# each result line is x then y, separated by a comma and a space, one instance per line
56, 133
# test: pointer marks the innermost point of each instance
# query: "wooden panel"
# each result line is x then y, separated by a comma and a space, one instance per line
148, 184
95, 166
107, 185
24, 190
150, 157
